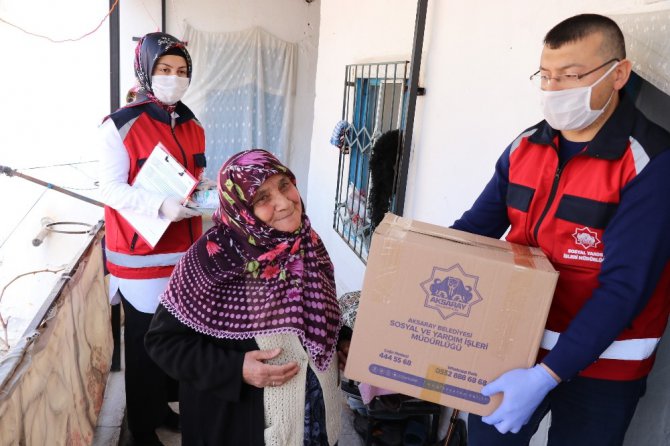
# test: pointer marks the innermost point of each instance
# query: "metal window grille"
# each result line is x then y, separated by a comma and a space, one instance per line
375, 102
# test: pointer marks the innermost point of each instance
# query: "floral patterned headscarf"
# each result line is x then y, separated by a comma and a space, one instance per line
148, 50
244, 278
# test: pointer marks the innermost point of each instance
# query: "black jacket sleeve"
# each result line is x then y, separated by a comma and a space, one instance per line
205, 362
345, 334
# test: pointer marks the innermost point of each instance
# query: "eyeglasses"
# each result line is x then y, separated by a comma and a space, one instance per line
567, 80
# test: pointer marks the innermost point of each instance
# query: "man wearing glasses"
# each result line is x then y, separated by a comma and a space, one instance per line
590, 185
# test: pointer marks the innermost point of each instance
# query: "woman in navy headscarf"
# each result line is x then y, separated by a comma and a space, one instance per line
139, 270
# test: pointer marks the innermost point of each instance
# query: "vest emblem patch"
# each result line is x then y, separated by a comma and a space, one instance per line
586, 238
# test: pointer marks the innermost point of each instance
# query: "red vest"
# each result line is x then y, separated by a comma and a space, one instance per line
565, 212
141, 126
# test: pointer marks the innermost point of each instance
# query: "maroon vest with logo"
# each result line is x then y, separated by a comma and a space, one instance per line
565, 211
142, 126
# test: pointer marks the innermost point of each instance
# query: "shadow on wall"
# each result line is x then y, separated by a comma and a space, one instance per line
650, 100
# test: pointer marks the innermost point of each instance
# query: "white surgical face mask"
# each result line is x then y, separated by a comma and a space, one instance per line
571, 109
169, 89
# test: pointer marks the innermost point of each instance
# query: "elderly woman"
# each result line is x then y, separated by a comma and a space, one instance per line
249, 322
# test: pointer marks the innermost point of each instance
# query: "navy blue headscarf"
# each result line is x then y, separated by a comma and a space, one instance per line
149, 49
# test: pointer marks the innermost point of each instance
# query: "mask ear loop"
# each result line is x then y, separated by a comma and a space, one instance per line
607, 73
606, 103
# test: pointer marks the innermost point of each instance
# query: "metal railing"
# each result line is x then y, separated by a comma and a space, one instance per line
375, 102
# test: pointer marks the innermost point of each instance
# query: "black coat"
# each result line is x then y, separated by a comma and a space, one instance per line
217, 407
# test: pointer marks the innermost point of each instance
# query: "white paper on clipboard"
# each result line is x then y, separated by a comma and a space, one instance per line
161, 173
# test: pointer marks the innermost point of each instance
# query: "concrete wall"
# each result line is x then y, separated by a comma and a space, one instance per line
292, 20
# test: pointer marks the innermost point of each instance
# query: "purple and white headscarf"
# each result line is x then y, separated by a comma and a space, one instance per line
244, 278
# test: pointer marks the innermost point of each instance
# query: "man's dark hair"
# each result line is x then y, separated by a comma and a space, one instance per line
580, 26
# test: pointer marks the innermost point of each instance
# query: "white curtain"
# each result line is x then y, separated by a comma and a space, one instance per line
242, 91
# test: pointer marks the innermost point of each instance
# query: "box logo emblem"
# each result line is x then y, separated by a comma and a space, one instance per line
451, 291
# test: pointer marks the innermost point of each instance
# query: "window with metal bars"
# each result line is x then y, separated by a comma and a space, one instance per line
374, 106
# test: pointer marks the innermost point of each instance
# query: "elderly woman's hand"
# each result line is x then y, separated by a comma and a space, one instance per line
256, 373
343, 353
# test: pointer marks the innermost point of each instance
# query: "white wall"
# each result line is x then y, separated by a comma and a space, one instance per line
294, 21
352, 31
135, 20
53, 95
477, 58
52, 98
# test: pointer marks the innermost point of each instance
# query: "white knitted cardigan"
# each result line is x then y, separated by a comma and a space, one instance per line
285, 405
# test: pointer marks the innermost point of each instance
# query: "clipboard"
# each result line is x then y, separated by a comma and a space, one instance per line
163, 174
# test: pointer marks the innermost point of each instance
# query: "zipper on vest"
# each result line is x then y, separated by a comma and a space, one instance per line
183, 153
554, 189
550, 200
133, 241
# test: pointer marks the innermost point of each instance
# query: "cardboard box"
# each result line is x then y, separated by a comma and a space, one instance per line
443, 312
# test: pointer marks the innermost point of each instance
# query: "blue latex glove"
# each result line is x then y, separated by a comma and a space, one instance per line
524, 390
